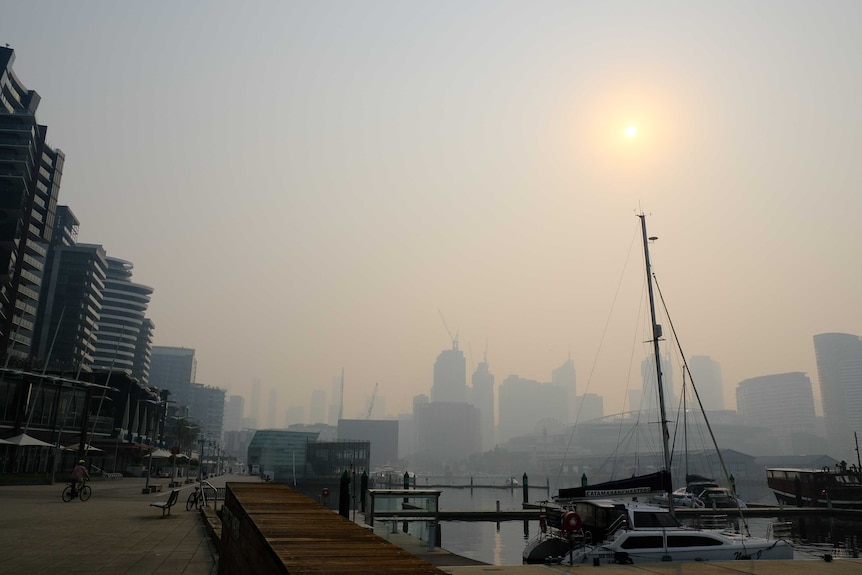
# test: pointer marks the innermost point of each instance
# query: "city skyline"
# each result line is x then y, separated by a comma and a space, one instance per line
326, 181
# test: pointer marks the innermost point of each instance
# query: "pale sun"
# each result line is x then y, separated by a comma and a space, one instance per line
631, 131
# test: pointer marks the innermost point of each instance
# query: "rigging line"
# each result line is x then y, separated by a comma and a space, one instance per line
700, 404
598, 351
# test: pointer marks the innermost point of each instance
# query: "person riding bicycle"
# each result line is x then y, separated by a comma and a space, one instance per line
79, 475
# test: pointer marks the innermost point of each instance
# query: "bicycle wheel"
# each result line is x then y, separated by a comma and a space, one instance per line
67, 494
192, 501
85, 493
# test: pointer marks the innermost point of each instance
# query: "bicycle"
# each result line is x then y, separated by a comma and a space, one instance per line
196, 498
70, 493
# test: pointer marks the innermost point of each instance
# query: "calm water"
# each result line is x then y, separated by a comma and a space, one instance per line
494, 543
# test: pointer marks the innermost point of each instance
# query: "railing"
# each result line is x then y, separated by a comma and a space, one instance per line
210, 491
619, 523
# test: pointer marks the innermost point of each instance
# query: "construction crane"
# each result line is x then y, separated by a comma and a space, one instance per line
449, 331
371, 403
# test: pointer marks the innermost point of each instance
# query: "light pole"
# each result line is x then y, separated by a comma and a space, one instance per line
201, 461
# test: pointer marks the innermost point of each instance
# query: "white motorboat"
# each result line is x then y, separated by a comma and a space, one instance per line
642, 533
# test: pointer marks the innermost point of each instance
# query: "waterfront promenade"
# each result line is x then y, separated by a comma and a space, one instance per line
115, 532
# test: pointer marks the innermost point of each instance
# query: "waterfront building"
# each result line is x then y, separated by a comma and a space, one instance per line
70, 304
782, 403
482, 397
124, 333
706, 373
382, 436
30, 176
839, 369
450, 376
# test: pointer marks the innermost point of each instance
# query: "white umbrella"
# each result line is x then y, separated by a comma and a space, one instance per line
160, 454
87, 447
25, 440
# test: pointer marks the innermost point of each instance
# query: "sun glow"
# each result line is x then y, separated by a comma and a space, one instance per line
631, 131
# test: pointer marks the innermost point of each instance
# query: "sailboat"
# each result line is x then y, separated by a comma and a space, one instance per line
620, 529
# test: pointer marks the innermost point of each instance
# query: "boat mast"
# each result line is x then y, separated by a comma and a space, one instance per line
656, 335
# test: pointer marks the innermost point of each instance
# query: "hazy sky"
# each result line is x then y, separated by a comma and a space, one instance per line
309, 185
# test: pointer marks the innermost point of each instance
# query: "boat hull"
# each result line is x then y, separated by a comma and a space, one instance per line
761, 550
827, 487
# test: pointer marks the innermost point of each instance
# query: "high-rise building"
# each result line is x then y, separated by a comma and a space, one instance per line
706, 373
124, 333
447, 432
839, 368
30, 175
528, 406
70, 304
173, 368
482, 394
207, 410
233, 413
450, 376
782, 403
649, 393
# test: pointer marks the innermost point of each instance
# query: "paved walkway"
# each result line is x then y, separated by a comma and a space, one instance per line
115, 532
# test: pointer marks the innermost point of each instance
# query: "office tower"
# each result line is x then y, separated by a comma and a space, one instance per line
447, 431
450, 376
839, 368
528, 407
650, 386
318, 406
272, 408
706, 373
233, 413
30, 175
482, 393
173, 368
782, 403
564, 376
207, 410
124, 333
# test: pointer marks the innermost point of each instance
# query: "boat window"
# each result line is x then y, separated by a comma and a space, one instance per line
691, 541
654, 519
643, 542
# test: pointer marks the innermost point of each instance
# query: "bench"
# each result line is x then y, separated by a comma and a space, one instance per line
165, 506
